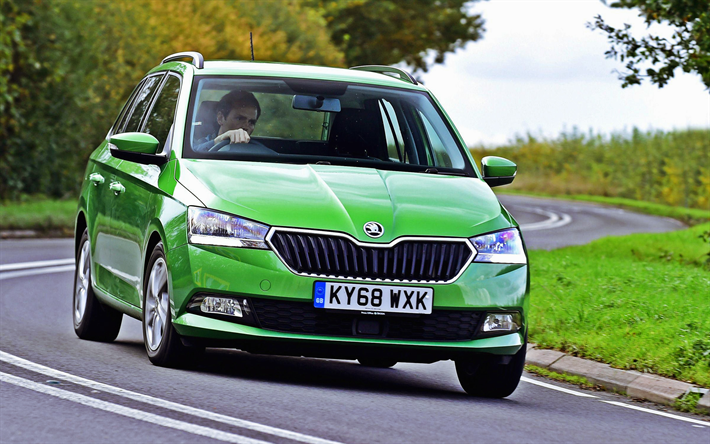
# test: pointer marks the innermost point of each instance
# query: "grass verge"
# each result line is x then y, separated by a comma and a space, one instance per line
46, 216
638, 302
689, 403
577, 380
690, 216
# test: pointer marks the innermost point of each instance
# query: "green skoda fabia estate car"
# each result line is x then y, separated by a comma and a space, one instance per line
304, 211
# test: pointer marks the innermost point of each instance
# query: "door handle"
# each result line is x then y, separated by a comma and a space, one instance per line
117, 188
96, 178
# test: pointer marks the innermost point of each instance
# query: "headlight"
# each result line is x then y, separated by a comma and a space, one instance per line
209, 227
501, 247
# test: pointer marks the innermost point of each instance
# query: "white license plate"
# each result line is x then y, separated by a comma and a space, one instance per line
373, 298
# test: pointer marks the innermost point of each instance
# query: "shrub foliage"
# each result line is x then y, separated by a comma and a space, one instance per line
671, 168
67, 66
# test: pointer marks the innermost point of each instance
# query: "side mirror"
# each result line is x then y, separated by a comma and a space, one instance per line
136, 147
498, 171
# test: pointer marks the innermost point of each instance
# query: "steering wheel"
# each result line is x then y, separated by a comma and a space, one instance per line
219, 145
252, 147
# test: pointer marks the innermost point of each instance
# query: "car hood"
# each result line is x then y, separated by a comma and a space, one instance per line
342, 198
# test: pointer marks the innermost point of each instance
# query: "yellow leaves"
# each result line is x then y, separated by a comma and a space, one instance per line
665, 167
673, 190
703, 200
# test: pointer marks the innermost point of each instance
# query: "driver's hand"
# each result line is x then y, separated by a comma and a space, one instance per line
234, 136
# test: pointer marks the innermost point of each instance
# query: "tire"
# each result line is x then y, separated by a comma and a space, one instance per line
377, 362
162, 342
93, 320
483, 378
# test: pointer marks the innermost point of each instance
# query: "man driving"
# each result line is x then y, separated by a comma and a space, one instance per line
237, 114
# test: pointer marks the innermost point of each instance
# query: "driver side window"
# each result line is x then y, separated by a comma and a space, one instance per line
160, 119
140, 104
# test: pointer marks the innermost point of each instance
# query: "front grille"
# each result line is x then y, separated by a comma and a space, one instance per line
336, 256
302, 317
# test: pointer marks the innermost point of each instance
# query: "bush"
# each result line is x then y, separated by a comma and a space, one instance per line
671, 168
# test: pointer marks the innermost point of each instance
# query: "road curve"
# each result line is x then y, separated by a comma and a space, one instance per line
550, 223
57, 388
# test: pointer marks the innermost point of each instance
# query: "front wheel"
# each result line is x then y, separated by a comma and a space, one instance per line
481, 377
92, 319
162, 342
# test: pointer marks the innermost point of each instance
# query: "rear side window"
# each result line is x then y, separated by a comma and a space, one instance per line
161, 115
141, 102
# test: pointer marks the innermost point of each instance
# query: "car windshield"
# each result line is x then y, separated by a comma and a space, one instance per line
306, 121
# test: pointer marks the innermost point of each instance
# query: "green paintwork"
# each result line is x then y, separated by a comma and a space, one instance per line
498, 167
124, 226
135, 142
341, 198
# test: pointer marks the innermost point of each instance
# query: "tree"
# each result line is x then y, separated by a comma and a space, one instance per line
688, 48
391, 31
67, 66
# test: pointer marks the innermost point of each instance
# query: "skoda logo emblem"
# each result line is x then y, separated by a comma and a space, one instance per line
374, 229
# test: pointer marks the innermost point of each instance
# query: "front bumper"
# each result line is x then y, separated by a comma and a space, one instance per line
261, 274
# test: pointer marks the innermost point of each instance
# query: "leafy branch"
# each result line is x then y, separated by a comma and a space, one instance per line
688, 48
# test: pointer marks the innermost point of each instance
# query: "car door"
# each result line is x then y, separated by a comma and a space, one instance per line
101, 171
100, 174
110, 250
135, 206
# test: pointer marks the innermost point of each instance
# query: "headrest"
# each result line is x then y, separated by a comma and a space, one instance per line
359, 133
205, 120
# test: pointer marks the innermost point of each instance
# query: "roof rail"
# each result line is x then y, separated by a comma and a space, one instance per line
402, 74
197, 59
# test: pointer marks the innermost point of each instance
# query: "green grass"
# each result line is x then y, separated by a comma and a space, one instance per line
638, 302
690, 216
40, 214
577, 380
689, 403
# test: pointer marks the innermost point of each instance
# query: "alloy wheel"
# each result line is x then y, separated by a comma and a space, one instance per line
156, 304
82, 283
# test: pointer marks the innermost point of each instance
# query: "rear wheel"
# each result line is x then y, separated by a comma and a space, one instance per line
162, 342
92, 319
377, 362
481, 377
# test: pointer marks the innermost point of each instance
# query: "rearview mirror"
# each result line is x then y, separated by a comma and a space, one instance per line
317, 103
498, 171
136, 147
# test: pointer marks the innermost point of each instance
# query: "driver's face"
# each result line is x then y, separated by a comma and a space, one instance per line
242, 117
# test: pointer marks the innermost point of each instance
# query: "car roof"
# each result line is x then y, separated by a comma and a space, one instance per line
292, 70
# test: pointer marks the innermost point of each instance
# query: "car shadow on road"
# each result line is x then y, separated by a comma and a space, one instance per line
334, 374
420, 380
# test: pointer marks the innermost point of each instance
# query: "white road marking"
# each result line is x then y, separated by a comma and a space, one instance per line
554, 387
57, 374
659, 413
129, 412
35, 271
616, 403
36, 264
554, 220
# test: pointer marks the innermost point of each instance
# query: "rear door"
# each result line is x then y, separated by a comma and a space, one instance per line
140, 200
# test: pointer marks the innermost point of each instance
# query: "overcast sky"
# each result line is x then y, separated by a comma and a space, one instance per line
539, 69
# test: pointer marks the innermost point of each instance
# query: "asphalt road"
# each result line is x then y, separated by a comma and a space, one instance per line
238, 397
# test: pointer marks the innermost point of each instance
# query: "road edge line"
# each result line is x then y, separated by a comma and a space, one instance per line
147, 399
118, 409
